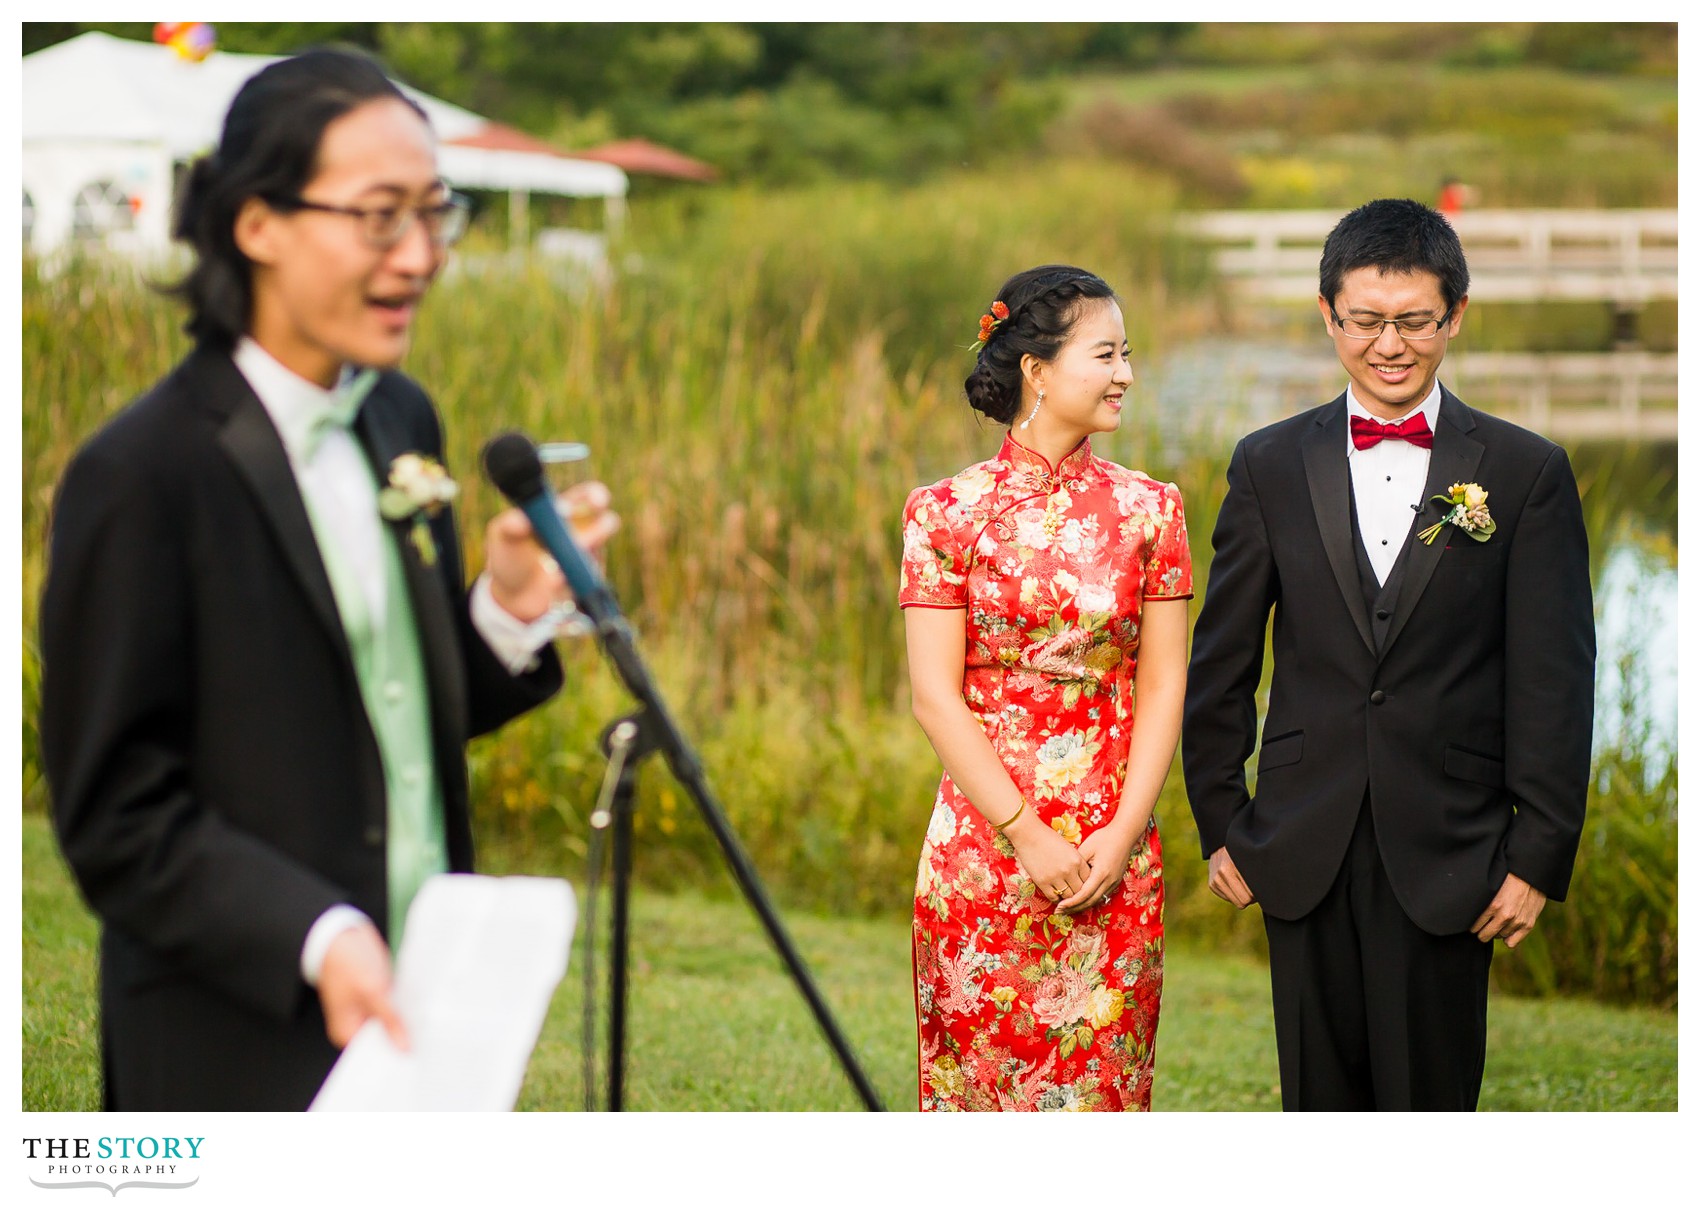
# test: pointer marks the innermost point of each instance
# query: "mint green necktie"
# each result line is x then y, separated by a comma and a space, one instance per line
339, 411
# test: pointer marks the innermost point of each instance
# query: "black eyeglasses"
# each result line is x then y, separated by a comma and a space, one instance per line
383, 227
1371, 330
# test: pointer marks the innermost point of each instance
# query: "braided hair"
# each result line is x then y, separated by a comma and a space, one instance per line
1044, 306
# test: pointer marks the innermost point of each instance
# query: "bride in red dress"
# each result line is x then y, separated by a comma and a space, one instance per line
1045, 587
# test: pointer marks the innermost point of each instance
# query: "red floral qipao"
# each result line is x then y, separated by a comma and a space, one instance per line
1020, 1007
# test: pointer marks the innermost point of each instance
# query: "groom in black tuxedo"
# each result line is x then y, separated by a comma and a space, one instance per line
1424, 764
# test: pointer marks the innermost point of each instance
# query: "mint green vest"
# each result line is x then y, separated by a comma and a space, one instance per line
391, 670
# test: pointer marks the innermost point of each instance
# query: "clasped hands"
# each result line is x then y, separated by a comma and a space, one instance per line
1076, 877
525, 581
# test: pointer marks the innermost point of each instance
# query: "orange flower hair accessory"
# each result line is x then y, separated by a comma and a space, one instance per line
989, 323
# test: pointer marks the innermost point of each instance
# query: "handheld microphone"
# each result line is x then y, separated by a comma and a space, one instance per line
511, 462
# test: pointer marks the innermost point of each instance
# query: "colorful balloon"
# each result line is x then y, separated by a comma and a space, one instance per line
192, 40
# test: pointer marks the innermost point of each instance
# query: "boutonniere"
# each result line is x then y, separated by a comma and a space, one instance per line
418, 488
1468, 512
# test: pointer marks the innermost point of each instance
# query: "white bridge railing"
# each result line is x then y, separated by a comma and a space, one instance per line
1623, 257
1626, 394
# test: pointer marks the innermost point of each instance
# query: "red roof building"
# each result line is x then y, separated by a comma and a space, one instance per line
651, 159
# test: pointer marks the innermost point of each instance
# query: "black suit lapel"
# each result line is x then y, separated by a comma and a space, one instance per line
1453, 460
1324, 448
247, 436
383, 435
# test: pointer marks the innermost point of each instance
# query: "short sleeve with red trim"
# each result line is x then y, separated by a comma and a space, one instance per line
1168, 563
934, 571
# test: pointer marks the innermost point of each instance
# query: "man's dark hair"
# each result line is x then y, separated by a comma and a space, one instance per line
269, 149
1395, 236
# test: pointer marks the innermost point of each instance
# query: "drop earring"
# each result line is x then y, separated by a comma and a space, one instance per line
1037, 405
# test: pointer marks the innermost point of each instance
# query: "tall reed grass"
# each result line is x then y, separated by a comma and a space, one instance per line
761, 384
1615, 933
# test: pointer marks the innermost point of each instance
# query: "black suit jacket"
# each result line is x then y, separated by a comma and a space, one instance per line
216, 782
1469, 724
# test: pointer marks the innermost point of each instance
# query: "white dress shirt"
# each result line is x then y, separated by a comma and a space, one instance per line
1387, 483
340, 484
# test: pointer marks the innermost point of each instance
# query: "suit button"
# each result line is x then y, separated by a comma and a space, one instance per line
374, 835
1378, 697
1383, 613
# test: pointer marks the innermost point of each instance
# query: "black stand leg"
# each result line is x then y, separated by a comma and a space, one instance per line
513, 464
627, 742
620, 742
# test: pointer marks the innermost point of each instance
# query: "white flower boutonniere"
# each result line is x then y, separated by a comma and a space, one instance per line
418, 488
1468, 512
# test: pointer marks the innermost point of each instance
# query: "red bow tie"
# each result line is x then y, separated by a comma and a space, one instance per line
1414, 430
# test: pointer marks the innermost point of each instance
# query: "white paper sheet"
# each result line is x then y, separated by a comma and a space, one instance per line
479, 962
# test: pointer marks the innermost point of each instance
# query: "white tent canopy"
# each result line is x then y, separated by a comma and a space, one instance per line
106, 122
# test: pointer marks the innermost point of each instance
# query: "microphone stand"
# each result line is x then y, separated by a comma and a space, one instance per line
627, 741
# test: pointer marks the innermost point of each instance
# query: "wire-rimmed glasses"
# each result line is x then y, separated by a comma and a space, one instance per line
384, 227
1371, 328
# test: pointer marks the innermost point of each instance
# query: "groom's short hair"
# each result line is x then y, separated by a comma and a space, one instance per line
1395, 236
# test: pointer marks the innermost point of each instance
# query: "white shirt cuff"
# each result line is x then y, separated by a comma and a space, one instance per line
514, 642
325, 928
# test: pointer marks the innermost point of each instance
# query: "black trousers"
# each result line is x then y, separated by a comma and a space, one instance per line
1372, 1013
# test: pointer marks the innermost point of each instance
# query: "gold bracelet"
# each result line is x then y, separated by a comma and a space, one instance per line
1020, 809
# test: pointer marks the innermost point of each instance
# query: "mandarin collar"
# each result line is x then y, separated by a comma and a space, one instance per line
1026, 459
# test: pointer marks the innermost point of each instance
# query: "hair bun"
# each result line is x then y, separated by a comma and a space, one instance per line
988, 393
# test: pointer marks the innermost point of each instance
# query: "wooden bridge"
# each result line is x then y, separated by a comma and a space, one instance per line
1624, 395
1621, 257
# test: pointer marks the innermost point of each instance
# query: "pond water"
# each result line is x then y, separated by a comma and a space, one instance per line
1635, 619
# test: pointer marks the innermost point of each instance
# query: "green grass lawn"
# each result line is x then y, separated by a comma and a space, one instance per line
715, 1024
